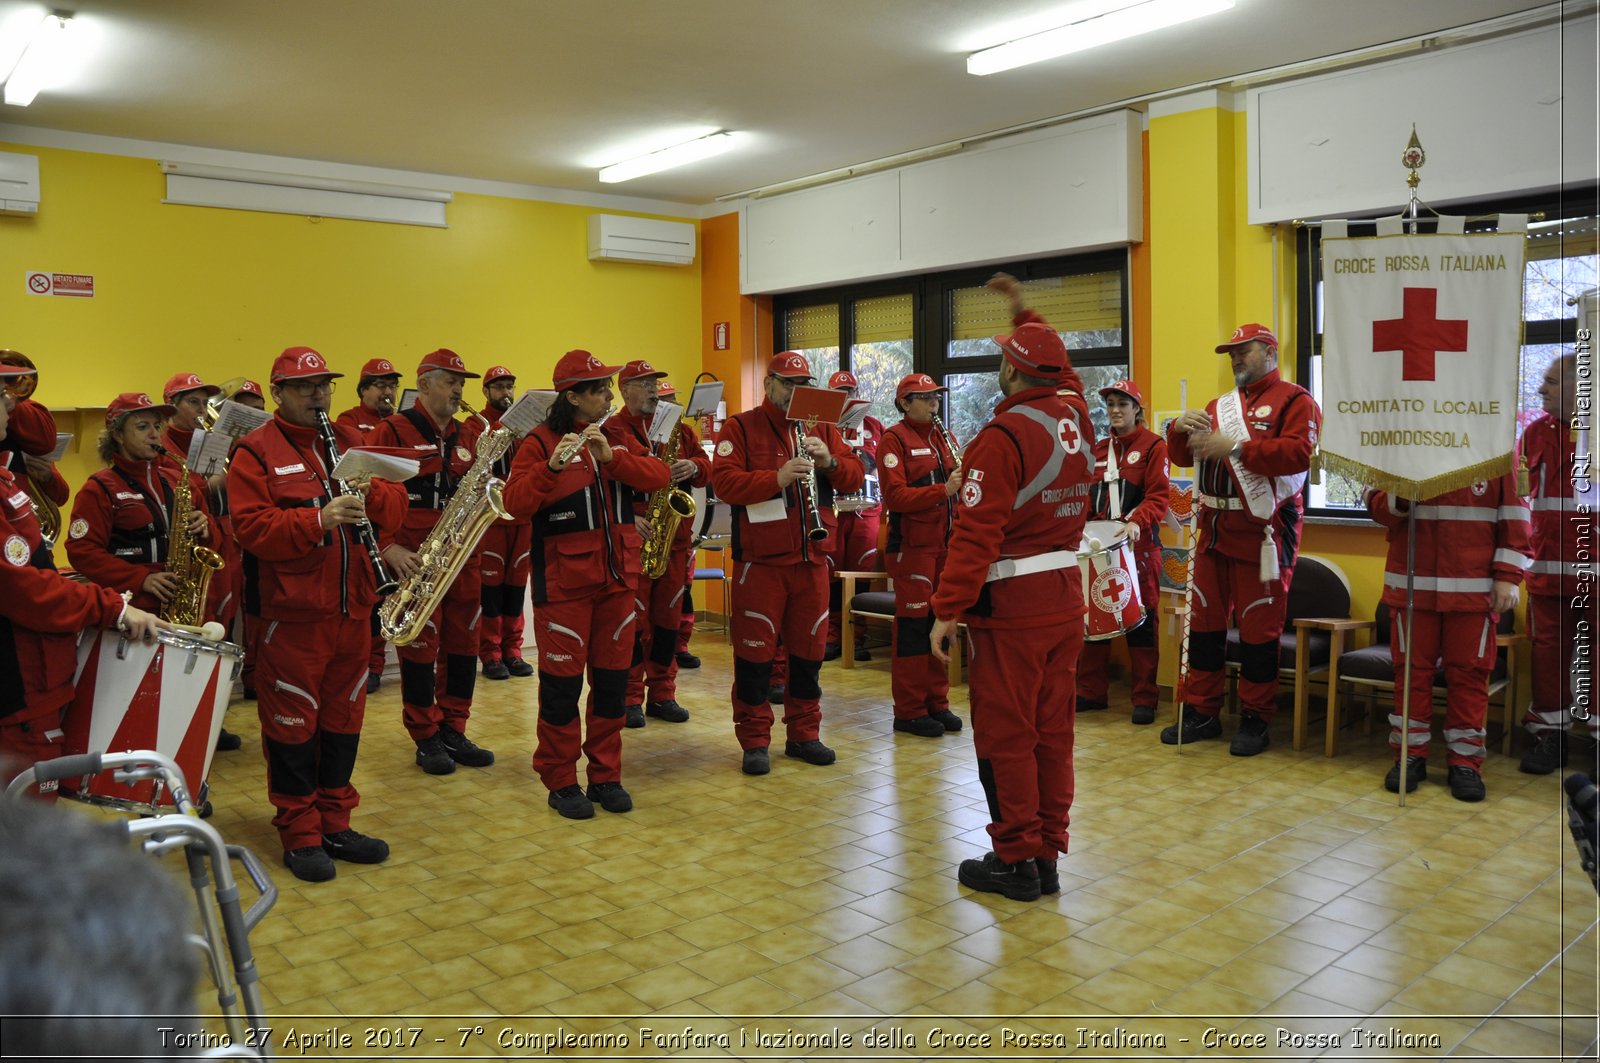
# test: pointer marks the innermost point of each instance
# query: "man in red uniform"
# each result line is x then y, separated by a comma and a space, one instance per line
379, 382
579, 490
1142, 496
1470, 551
1563, 599
666, 390
1254, 447
41, 615
502, 554
855, 541
438, 702
780, 579
653, 678
317, 589
32, 438
920, 475
249, 393
188, 395
1012, 576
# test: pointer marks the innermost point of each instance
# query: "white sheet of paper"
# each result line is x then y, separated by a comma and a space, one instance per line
705, 398
408, 399
63, 440
767, 512
855, 413
666, 418
528, 412
357, 462
235, 419
208, 452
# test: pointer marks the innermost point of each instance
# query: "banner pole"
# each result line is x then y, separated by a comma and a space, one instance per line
1409, 647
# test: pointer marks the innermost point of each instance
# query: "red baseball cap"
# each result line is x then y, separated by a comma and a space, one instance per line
299, 363
843, 379
665, 389
133, 402
790, 365
577, 366
1248, 334
915, 384
1128, 388
181, 382
446, 359
1035, 349
248, 387
498, 372
379, 367
639, 369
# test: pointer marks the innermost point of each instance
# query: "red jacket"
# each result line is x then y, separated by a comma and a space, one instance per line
1026, 493
278, 480
363, 420
445, 459
41, 611
1284, 422
32, 429
118, 534
1563, 518
584, 540
864, 442
752, 447
55, 488
1146, 485
628, 431
1466, 539
914, 464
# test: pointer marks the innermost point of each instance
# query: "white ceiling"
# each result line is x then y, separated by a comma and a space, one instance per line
541, 92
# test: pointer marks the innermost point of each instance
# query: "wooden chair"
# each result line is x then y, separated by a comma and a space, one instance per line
879, 605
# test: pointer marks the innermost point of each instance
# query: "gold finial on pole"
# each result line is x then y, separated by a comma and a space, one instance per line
1413, 159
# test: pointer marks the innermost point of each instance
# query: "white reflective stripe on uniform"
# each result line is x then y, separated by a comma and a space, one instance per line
1417, 736
1466, 742
1512, 558
497, 557
1008, 567
763, 618
823, 619
676, 598
919, 576
361, 684
1444, 584
744, 572
1563, 568
290, 688
1259, 601
1466, 513
477, 616
266, 638
1483, 638
1058, 455
1561, 505
615, 635
565, 631
1516, 513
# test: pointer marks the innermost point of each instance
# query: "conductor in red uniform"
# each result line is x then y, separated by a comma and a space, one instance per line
1012, 576
317, 589
502, 553
920, 476
780, 579
1143, 493
1253, 446
578, 490
855, 541
653, 679
438, 703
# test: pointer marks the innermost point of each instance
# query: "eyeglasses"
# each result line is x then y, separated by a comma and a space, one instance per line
305, 388
923, 396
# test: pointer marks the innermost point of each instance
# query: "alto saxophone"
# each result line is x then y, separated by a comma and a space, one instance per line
669, 506
475, 505
193, 564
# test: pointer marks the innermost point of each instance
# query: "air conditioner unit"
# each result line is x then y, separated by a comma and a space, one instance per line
19, 184
619, 238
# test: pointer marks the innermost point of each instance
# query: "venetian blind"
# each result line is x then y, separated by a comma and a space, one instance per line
810, 327
1071, 304
882, 319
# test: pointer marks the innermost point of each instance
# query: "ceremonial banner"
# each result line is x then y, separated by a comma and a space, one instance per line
1421, 340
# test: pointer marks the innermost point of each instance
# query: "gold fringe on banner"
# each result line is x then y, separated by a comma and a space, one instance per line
1416, 490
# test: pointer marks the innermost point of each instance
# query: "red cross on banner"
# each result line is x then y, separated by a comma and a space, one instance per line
1418, 334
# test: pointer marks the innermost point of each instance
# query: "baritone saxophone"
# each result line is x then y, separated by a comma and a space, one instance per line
669, 507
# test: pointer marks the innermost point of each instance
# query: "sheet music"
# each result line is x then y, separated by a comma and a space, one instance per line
704, 399
666, 418
63, 441
855, 414
528, 412
358, 461
208, 452
235, 419
408, 399
824, 404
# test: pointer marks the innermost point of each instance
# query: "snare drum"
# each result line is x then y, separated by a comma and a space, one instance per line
869, 497
169, 696
1111, 582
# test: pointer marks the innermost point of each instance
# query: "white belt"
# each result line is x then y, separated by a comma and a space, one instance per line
1008, 567
1213, 502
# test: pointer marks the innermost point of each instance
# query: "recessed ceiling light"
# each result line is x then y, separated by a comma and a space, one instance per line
1115, 25
667, 158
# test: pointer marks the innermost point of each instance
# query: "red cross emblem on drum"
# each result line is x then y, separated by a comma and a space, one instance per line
1112, 590
1070, 435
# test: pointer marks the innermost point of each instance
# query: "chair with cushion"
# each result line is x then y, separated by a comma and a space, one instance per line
879, 605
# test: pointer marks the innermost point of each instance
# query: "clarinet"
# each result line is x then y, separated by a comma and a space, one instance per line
811, 514
365, 533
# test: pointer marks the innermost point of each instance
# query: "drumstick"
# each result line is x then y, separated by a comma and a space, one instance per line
211, 631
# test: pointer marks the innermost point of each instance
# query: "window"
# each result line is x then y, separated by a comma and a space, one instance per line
1561, 263
943, 325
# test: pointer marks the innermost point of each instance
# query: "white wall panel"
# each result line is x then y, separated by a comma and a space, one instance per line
820, 235
1494, 118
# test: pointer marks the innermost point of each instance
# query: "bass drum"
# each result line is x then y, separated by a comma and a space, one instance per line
869, 497
168, 696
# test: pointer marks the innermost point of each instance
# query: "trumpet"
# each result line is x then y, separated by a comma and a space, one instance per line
950, 445
365, 533
810, 512
565, 455
47, 512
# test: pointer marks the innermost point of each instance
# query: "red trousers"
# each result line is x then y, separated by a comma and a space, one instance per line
1465, 643
1225, 587
27, 737
596, 634
1021, 689
503, 558
1562, 678
1144, 653
771, 601
654, 674
855, 549
920, 684
433, 695
227, 584
311, 696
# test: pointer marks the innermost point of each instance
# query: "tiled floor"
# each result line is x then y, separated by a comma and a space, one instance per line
1285, 896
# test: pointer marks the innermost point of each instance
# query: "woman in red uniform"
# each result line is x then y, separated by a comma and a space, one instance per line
584, 566
1143, 493
120, 517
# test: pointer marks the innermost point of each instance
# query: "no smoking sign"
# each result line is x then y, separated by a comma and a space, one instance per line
73, 285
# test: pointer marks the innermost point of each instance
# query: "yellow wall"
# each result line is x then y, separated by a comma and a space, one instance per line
220, 292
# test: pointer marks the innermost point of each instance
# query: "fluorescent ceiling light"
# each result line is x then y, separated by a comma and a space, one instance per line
40, 60
667, 158
1092, 32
